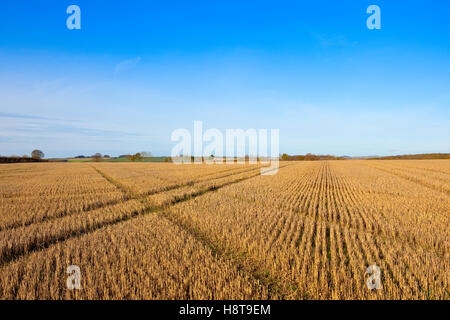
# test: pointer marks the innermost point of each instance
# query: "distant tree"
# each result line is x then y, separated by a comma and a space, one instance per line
80, 157
136, 156
284, 157
166, 159
37, 154
146, 154
97, 157
311, 157
106, 156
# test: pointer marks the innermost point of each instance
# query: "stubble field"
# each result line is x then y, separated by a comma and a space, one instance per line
166, 231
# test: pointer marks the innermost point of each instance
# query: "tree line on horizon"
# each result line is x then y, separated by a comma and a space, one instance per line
422, 156
310, 157
38, 156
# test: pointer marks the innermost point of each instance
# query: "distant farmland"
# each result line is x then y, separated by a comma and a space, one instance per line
121, 159
167, 231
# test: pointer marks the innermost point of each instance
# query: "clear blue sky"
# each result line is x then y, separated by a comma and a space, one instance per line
137, 70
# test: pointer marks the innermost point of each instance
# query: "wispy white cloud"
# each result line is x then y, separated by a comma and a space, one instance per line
332, 40
22, 125
23, 116
126, 65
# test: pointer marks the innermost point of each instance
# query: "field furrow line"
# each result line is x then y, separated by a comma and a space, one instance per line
129, 194
350, 198
55, 233
395, 230
427, 173
445, 191
313, 245
385, 256
285, 203
277, 287
361, 253
61, 214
